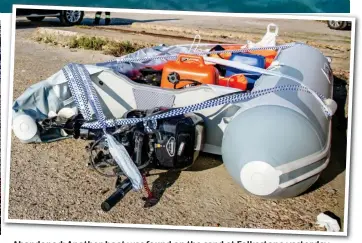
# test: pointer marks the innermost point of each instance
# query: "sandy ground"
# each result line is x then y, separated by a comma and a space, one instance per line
51, 181
332, 43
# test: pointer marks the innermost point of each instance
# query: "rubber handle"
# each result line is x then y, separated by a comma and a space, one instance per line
117, 196
182, 56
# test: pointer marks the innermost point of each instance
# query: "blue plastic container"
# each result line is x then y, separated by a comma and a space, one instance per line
250, 59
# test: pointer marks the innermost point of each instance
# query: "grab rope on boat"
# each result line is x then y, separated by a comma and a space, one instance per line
228, 99
81, 99
202, 53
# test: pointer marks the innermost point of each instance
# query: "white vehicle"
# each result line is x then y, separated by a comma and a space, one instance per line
66, 17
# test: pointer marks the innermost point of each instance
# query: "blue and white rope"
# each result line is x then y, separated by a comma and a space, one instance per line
202, 53
83, 92
77, 88
228, 99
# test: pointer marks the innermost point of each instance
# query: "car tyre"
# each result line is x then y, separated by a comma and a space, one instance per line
337, 25
71, 17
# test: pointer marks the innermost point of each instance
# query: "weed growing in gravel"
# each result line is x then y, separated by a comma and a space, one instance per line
88, 43
118, 49
108, 47
47, 39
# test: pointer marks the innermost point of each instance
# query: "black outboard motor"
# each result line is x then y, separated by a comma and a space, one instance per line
173, 140
175, 143
169, 143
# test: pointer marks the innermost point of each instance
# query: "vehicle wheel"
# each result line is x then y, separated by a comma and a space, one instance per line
337, 25
35, 19
70, 17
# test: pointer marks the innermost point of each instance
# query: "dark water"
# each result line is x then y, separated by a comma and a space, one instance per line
234, 6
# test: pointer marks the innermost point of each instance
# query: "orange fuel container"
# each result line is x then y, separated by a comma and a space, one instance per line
236, 81
268, 54
189, 67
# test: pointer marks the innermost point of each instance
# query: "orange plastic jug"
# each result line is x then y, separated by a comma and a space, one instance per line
189, 69
268, 54
237, 81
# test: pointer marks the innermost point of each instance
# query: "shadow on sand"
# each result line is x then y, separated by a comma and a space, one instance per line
337, 163
54, 22
168, 178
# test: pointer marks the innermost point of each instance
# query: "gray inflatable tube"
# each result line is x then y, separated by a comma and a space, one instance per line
277, 145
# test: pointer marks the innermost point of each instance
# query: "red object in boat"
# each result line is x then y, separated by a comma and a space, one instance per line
158, 67
236, 81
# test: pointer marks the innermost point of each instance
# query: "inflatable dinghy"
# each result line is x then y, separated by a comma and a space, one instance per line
274, 137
